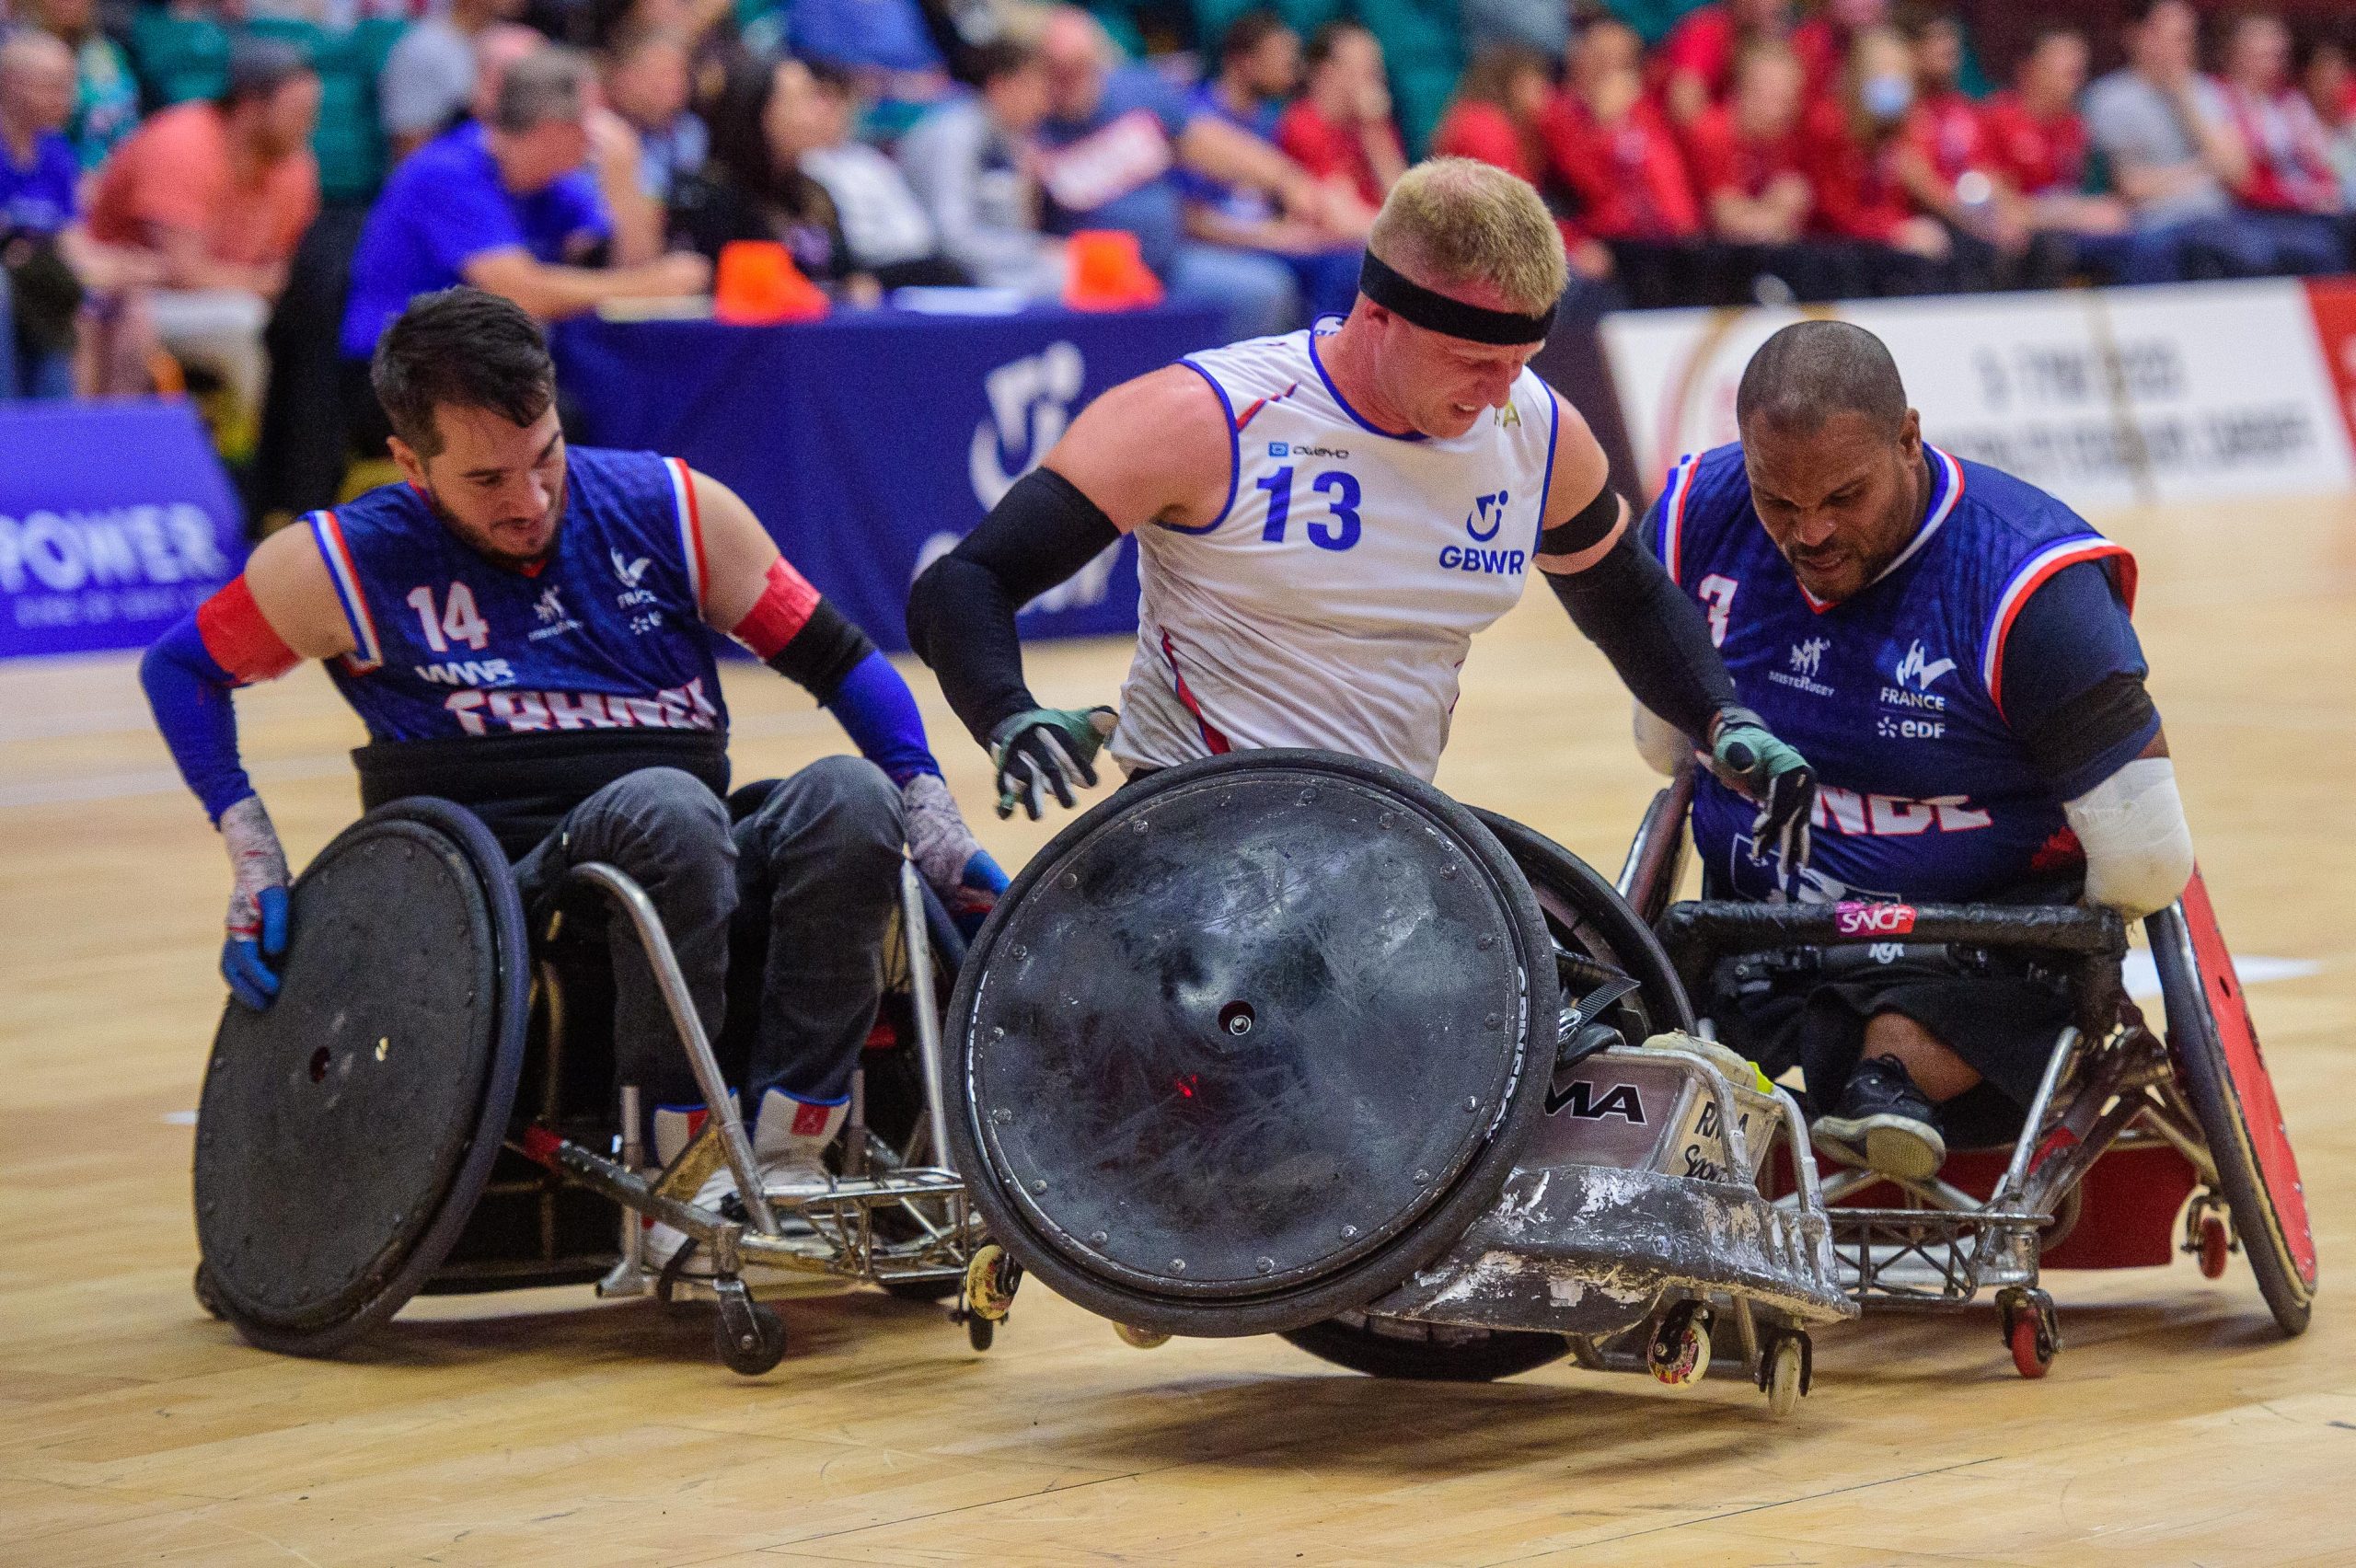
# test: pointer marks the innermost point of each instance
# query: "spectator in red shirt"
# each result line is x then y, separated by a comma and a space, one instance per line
1693, 68
1746, 153
2291, 190
1945, 164
1339, 128
1855, 147
2035, 142
1823, 40
1494, 118
2330, 85
1612, 147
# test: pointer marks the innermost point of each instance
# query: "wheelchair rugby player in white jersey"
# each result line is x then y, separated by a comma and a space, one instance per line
1324, 521
1326, 518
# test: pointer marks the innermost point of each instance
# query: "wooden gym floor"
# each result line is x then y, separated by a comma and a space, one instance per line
546, 1428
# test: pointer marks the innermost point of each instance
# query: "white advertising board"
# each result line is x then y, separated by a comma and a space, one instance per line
2104, 397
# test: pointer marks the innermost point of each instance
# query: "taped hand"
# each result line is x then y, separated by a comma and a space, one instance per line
952, 863
257, 921
1044, 750
1746, 755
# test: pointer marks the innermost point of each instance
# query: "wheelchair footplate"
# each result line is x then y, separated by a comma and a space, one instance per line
1634, 1223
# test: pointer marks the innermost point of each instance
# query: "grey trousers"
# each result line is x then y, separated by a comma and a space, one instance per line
808, 882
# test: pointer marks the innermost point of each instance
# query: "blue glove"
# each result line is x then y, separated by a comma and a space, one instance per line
246, 961
978, 890
257, 921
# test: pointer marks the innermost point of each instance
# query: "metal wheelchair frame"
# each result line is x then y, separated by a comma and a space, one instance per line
838, 1235
2108, 1084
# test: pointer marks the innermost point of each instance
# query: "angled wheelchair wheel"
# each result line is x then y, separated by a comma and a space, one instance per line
1419, 1351
1249, 1042
2224, 1076
1589, 918
344, 1135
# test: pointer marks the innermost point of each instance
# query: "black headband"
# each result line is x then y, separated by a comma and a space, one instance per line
1451, 316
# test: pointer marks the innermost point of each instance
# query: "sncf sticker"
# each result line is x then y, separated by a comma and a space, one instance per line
1873, 920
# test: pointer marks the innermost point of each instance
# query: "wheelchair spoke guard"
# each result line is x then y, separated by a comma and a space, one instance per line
1249, 1042
2224, 1076
346, 1134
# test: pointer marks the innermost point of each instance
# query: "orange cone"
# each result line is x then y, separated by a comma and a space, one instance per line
758, 285
1108, 273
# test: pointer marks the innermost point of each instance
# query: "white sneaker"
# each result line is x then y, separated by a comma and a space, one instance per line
788, 1138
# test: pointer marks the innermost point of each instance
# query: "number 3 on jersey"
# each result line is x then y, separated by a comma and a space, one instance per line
459, 621
1717, 594
1340, 487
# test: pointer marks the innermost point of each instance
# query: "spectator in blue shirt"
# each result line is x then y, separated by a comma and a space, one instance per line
1112, 148
39, 173
1259, 68
508, 207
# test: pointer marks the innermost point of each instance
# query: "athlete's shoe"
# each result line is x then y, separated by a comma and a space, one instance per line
788, 1138
1884, 1124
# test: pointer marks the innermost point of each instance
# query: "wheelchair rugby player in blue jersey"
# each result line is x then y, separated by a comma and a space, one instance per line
522, 627
1951, 647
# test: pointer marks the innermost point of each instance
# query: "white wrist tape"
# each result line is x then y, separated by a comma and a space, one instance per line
2139, 851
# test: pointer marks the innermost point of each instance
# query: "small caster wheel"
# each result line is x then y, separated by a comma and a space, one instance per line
2217, 1245
1139, 1339
991, 1279
748, 1335
1680, 1351
2032, 1331
1785, 1370
206, 1296
980, 1330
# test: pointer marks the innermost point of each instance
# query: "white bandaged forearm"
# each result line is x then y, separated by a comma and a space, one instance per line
1665, 749
256, 861
2139, 851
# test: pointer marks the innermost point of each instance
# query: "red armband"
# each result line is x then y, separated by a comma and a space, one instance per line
239, 639
785, 607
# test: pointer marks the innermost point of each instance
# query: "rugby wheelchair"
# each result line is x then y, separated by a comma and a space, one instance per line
2128, 1129
429, 1107
1286, 1042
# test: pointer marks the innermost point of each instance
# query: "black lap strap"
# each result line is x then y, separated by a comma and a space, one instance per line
522, 785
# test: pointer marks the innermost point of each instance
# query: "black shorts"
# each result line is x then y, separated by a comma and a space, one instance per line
2000, 1013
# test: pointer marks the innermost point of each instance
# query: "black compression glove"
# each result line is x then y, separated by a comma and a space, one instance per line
1048, 749
1746, 755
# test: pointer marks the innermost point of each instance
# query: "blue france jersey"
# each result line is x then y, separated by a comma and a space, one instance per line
608, 634
1894, 694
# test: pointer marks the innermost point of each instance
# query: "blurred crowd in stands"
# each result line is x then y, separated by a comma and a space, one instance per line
238, 194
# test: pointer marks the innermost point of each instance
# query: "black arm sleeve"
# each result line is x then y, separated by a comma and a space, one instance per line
825, 651
1653, 634
962, 609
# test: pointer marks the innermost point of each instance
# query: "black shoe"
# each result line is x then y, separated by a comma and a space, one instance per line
1884, 1124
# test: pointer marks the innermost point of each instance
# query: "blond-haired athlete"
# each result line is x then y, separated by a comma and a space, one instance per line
1324, 519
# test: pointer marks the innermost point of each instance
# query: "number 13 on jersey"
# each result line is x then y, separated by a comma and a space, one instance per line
1337, 531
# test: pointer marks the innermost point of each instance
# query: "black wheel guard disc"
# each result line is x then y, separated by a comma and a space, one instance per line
1248, 1030
344, 1134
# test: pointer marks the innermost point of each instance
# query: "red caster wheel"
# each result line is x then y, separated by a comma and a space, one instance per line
2216, 1246
2032, 1352
2032, 1331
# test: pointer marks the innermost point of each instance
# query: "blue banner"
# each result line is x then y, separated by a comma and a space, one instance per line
871, 443
115, 521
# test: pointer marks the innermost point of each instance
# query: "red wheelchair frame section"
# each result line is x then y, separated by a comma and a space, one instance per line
2269, 1141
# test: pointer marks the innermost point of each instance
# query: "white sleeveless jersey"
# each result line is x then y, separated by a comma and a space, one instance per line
1333, 602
